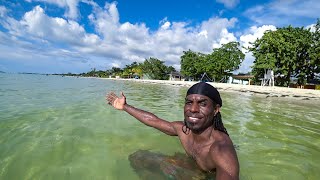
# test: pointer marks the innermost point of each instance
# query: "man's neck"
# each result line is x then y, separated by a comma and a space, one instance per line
204, 135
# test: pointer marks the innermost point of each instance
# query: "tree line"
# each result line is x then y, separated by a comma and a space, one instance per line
153, 68
291, 52
221, 62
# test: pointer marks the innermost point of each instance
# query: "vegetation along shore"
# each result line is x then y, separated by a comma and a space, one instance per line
267, 91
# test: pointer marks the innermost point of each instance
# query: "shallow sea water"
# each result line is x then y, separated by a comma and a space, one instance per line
54, 127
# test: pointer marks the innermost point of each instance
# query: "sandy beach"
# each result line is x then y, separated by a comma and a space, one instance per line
267, 91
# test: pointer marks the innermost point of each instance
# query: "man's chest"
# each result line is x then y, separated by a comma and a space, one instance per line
200, 153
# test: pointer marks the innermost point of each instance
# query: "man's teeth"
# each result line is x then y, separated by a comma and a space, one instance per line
193, 119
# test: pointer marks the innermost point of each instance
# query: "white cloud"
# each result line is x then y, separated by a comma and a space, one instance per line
254, 34
70, 5
3, 11
312, 27
306, 8
216, 30
166, 25
225, 38
105, 20
115, 65
281, 13
22, 56
37, 24
246, 64
56, 40
229, 3
203, 33
135, 42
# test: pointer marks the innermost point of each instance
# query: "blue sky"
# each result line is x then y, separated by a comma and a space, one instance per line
61, 36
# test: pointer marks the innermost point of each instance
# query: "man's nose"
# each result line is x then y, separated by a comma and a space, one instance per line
195, 107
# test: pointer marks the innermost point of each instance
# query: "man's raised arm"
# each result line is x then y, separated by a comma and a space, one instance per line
145, 117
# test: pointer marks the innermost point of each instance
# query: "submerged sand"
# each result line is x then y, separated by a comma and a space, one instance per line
268, 91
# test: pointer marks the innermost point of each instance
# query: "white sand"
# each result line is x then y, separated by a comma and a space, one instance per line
305, 94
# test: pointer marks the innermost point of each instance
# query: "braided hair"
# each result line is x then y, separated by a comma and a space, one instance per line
218, 124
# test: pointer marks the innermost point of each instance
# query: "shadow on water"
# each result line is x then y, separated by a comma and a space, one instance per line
151, 165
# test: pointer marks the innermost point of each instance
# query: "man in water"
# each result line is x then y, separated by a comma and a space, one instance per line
201, 134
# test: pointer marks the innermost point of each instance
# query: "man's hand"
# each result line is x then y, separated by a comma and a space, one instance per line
115, 101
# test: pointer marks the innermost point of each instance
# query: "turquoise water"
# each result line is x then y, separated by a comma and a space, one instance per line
54, 127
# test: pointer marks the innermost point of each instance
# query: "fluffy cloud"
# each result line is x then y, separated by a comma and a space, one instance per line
37, 27
229, 3
3, 11
64, 45
134, 42
279, 13
253, 34
312, 27
71, 6
20, 56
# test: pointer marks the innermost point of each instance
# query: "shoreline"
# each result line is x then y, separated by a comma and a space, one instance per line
267, 91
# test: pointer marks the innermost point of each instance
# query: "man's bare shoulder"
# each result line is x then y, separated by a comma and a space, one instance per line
222, 144
221, 139
178, 125
224, 155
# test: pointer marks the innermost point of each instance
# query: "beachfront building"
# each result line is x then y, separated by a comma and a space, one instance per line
175, 76
241, 79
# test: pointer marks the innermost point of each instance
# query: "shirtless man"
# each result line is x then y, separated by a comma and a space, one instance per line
201, 134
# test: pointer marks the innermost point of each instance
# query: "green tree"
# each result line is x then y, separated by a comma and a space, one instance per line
264, 50
137, 70
286, 51
101, 73
129, 70
192, 64
156, 69
222, 61
115, 71
315, 52
91, 73
217, 65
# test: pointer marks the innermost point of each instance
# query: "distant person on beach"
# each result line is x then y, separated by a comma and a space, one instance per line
202, 133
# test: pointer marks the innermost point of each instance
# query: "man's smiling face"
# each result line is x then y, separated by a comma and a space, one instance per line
198, 112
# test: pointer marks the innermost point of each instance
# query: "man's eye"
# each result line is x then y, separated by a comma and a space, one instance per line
188, 102
203, 104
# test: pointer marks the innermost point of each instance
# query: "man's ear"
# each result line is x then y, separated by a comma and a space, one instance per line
216, 109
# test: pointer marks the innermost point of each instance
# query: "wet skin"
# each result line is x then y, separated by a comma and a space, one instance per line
211, 149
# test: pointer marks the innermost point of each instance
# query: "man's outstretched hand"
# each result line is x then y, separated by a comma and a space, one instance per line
115, 101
